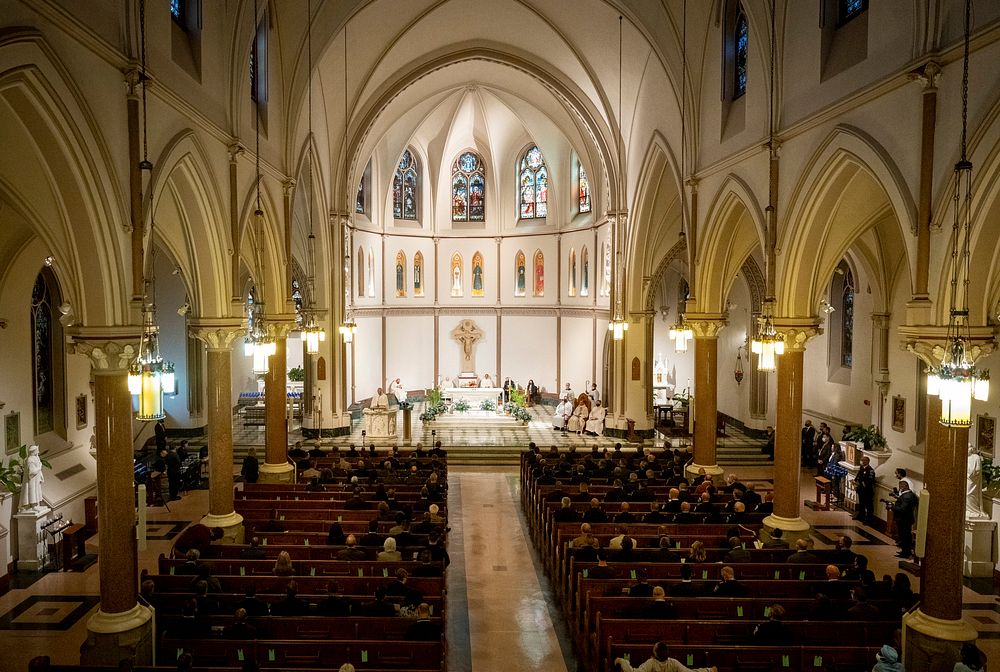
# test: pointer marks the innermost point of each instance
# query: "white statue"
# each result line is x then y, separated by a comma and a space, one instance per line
974, 487
31, 488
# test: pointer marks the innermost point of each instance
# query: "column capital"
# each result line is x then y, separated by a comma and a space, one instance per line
288, 185
927, 342
880, 320
133, 80
217, 333
280, 325
797, 331
110, 349
236, 150
705, 325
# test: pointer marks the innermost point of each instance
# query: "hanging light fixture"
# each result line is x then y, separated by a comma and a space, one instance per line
312, 332
738, 372
259, 343
680, 333
149, 377
618, 324
766, 342
957, 381
348, 328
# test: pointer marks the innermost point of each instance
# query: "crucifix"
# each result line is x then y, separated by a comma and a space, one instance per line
468, 334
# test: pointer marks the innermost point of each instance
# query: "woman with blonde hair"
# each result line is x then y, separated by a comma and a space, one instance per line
389, 552
698, 552
283, 565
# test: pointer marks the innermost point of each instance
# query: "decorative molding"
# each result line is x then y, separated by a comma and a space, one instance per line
705, 325
110, 349
928, 76
218, 334
755, 281
926, 342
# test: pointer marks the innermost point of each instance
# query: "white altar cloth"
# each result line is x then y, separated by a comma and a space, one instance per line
472, 395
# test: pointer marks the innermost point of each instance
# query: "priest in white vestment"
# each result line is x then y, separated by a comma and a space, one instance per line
595, 423
487, 381
397, 390
578, 420
561, 414
567, 393
380, 401
594, 394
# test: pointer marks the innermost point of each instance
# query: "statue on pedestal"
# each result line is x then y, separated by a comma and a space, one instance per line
974, 487
467, 333
31, 488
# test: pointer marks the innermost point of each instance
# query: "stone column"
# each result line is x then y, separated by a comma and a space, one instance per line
276, 468
706, 394
928, 77
935, 631
219, 336
121, 627
788, 441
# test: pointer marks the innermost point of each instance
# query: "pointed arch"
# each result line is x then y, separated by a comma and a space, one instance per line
533, 185
361, 273
371, 273
468, 188
584, 272
478, 275
571, 280
406, 187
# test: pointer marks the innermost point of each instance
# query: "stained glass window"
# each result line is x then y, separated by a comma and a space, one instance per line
253, 71
584, 273
584, 186
177, 11
404, 188
741, 43
848, 9
847, 319
42, 357
251, 299
359, 201
534, 185
418, 274
297, 300
468, 189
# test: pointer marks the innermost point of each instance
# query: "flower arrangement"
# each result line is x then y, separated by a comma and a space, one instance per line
461, 406
432, 410
487, 405
517, 397
521, 414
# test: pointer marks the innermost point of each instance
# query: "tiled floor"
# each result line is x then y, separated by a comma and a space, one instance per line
501, 615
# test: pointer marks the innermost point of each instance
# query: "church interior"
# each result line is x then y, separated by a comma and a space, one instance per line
746, 244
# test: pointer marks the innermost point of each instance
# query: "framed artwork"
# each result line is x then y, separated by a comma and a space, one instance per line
12, 431
81, 411
899, 414
986, 427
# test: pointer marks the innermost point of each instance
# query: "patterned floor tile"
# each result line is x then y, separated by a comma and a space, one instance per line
48, 612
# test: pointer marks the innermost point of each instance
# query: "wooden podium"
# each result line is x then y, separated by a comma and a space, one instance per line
74, 544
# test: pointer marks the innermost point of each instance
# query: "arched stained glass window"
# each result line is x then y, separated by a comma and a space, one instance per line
371, 272
741, 44
848, 9
400, 273
572, 272
478, 275
297, 300
583, 185
539, 277
456, 274
847, 320
251, 300
468, 189
418, 274
361, 272
533, 178
584, 273
520, 273
47, 357
361, 199
404, 188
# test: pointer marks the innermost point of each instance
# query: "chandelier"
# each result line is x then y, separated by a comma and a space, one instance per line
149, 378
348, 328
312, 332
618, 324
767, 342
680, 334
957, 381
259, 343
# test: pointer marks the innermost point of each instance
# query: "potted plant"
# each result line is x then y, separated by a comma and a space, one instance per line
461, 406
297, 375
870, 436
487, 405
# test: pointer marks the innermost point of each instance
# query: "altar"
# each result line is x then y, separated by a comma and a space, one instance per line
473, 396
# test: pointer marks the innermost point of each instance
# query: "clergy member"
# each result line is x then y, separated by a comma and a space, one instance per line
380, 401
578, 420
398, 391
561, 414
595, 423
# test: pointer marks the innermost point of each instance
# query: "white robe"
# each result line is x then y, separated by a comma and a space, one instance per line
398, 391
595, 423
31, 490
578, 419
595, 395
560, 415
379, 401
487, 381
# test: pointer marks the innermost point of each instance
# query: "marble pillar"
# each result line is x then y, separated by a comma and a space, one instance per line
706, 393
122, 627
219, 336
276, 468
788, 443
935, 631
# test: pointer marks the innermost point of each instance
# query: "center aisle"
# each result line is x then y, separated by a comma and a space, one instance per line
495, 581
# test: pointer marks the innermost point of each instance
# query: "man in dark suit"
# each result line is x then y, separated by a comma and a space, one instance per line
808, 441
173, 463
904, 512
686, 587
352, 552
736, 552
423, 629
729, 586
802, 553
864, 486
160, 435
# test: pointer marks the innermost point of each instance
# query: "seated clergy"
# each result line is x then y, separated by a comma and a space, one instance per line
561, 414
578, 420
595, 423
397, 390
486, 381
